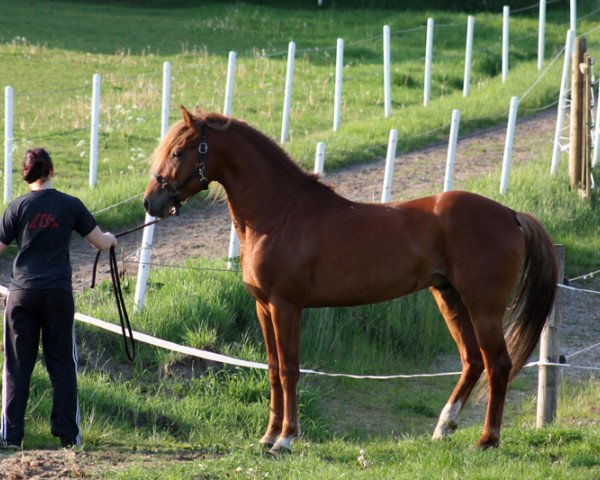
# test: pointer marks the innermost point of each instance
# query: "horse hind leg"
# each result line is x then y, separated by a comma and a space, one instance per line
459, 323
497, 366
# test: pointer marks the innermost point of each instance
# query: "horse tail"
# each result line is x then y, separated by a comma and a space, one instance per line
534, 294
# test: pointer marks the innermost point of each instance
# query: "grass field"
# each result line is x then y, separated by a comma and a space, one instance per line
169, 417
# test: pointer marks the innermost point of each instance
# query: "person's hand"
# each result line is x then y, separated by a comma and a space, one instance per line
111, 239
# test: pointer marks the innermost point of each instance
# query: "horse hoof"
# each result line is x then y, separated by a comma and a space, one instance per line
485, 444
281, 447
267, 441
444, 430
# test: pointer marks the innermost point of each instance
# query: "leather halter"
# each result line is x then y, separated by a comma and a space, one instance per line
175, 190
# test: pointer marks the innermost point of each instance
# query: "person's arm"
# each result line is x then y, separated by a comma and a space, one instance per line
101, 240
2, 247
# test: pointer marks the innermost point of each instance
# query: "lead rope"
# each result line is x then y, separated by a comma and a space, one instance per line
117, 290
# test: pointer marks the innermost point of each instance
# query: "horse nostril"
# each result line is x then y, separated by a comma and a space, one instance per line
146, 204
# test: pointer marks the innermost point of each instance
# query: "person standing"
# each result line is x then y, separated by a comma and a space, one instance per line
40, 299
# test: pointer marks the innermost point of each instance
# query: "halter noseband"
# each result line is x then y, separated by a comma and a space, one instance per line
174, 190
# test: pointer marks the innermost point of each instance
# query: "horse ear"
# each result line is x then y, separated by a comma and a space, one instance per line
188, 118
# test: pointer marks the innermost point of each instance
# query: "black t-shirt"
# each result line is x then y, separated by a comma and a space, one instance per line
42, 222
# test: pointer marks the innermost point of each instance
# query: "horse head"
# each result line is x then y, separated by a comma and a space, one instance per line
181, 167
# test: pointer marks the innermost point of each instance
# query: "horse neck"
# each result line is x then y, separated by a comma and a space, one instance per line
259, 183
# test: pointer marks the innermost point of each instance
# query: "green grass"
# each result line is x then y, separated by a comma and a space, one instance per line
50, 67
558, 453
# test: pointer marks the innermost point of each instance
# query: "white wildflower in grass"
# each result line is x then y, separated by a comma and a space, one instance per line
361, 459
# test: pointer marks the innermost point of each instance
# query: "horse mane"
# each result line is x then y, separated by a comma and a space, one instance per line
180, 133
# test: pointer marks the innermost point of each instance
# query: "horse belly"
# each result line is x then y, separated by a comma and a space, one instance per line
373, 277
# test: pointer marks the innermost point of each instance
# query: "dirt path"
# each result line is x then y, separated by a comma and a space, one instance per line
205, 231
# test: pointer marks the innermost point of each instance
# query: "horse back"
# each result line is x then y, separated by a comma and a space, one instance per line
346, 253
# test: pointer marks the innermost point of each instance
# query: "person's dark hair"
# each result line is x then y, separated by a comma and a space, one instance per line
36, 164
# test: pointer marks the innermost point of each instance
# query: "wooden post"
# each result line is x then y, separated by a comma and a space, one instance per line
575, 150
549, 376
586, 140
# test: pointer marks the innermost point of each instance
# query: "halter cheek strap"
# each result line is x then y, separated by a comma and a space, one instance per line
175, 190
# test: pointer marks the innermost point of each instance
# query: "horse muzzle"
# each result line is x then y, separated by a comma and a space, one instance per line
161, 204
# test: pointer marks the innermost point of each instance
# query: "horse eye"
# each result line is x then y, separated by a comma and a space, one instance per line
177, 154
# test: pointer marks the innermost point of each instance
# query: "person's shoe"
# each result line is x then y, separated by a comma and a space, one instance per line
6, 445
68, 442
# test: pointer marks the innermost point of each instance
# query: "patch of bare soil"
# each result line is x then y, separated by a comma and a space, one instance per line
205, 231
77, 464
43, 464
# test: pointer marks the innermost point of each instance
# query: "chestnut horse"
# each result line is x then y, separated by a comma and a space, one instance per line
491, 270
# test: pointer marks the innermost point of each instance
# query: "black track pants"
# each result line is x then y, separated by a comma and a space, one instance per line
29, 314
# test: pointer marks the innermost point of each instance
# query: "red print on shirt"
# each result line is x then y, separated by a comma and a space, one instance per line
43, 220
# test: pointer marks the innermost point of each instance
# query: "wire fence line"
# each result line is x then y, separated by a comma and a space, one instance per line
271, 90
369, 39
542, 75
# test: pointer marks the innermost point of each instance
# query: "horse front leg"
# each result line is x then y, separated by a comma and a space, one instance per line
286, 322
276, 409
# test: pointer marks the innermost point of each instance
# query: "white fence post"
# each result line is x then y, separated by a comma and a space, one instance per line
164, 117
562, 100
505, 48
319, 159
510, 135
8, 143
229, 85
287, 99
390, 159
148, 234
468, 56
596, 154
143, 265
548, 375
573, 15
233, 250
541, 34
387, 80
428, 61
97, 82
339, 67
452, 141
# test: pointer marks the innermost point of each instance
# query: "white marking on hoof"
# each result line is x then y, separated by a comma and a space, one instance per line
282, 445
448, 421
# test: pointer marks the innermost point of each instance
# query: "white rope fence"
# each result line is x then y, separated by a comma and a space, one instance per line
215, 357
